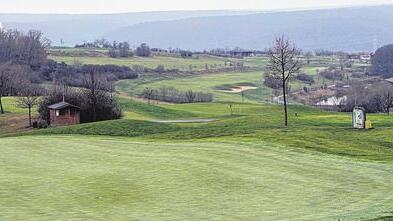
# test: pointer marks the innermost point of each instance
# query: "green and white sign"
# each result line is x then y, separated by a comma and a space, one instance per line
359, 118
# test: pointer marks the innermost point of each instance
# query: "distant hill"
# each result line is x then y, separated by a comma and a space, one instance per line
73, 29
350, 29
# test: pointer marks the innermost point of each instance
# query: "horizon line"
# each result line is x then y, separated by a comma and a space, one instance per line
205, 10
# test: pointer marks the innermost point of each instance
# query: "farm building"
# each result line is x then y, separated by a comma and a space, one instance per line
63, 113
241, 53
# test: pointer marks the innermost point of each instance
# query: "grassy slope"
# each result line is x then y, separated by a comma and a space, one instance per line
245, 166
242, 167
311, 130
67, 178
137, 110
151, 62
206, 83
214, 83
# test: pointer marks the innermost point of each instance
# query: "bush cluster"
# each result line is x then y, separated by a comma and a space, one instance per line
107, 107
332, 74
305, 78
74, 74
172, 95
377, 99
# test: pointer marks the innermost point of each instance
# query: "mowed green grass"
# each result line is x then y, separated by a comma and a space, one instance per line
196, 63
206, 83
215, 83
93, 178
241, 167
311, 129
138, 110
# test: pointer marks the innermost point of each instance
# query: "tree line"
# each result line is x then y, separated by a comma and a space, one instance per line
73, 75
375, 99
24, 65
118, 49
172, 95
21, 54
95, 99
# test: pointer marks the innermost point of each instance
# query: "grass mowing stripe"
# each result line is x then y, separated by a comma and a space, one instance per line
94, 178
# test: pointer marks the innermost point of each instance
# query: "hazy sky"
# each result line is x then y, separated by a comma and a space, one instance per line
112, 6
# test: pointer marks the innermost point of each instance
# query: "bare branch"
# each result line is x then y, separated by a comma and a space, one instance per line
283, 63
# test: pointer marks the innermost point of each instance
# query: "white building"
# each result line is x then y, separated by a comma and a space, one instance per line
365, 58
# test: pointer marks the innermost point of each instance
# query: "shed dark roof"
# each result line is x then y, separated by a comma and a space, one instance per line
61, 105
390, 80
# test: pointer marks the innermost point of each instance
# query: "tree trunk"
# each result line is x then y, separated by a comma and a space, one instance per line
94, 96
94, 110
285, 106
30, 117
1, 106
284, 92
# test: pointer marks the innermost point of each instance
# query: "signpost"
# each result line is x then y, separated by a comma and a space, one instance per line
359, 118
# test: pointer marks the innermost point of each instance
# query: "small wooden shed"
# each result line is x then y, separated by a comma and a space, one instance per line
63, 114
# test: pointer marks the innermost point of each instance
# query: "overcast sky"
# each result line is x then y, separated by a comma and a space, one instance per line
114, 6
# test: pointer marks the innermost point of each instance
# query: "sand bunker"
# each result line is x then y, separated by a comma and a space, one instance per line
239, 89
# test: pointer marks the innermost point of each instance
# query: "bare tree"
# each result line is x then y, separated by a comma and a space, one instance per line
308, 57
283, 63
5, 81
190, 96
387, 101
25, 49
10, 80
148, 94
96, 85
172, 95
28, 98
